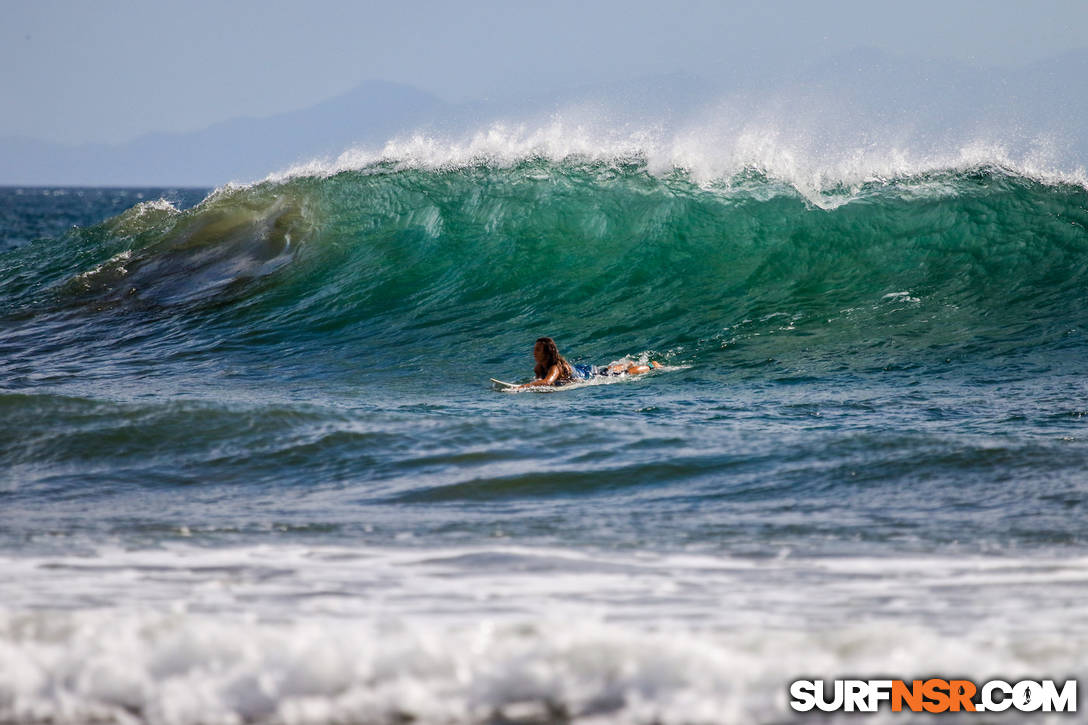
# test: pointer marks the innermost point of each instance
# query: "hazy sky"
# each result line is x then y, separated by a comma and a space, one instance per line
110, 70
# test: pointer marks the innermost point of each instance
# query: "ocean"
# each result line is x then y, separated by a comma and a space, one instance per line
252, 469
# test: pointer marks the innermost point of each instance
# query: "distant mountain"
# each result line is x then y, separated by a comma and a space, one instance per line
239, 149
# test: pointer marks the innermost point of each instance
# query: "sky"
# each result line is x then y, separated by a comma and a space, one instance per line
111, 70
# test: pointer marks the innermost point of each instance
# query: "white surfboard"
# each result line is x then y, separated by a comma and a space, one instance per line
504, 386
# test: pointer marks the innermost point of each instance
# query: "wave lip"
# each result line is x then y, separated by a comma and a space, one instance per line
826, 173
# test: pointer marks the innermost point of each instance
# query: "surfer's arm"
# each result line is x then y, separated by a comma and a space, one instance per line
549, 379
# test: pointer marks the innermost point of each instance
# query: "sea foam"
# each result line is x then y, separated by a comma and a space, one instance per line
292, 634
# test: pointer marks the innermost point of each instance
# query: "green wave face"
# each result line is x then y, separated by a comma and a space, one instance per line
438, 269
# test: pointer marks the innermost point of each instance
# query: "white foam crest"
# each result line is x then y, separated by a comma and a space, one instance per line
500, 144
717, 151
156, 205
115, 264
140, 666
295, 634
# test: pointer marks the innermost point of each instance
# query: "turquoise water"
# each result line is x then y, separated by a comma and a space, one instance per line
251, 434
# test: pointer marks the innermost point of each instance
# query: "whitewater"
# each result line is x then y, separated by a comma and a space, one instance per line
252, 469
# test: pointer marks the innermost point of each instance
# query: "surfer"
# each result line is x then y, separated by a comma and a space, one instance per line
553, 369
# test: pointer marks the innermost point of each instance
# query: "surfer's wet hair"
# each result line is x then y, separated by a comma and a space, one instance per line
552, 357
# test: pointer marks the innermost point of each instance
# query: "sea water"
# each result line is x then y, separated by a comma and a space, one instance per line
252, 469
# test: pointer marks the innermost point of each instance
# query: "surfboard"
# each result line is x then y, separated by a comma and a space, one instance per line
504, 386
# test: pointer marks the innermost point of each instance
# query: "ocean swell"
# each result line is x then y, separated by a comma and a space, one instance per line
416, 262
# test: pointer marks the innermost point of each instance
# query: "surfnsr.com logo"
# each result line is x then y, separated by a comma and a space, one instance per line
933, 695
